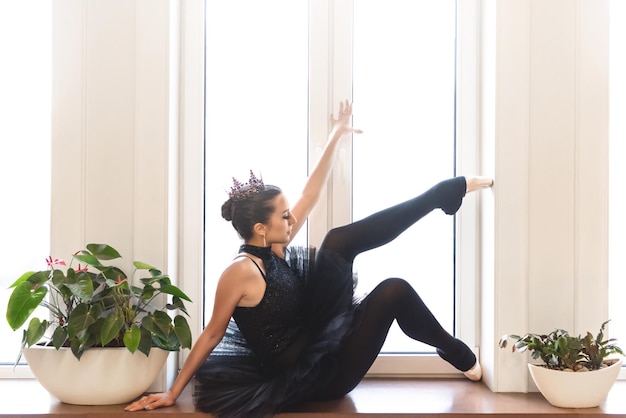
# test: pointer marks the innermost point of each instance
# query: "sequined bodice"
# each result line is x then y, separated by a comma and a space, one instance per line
272, 325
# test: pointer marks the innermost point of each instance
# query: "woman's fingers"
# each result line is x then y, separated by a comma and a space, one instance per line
147, 403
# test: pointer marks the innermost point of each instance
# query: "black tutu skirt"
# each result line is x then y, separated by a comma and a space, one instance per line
233, 382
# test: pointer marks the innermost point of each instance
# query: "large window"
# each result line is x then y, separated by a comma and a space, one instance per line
25, 79
271, 83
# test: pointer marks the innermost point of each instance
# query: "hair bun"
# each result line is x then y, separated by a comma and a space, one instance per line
227, 210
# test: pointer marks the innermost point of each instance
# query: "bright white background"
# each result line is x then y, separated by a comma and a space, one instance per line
25, 112
404, 75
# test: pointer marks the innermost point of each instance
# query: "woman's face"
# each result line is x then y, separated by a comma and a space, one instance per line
280, 222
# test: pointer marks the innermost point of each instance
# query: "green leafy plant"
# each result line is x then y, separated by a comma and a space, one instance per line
561, 351
95, 305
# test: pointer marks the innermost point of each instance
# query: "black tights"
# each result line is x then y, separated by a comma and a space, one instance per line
393, 299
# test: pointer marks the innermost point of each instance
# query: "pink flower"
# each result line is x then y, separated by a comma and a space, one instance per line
56, 261
120, 280
82, 269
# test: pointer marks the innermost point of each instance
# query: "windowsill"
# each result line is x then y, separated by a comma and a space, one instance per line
379, 397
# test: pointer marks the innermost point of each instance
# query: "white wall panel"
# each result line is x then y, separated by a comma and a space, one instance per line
109, 93
110, 135
549, 114
511, 129
151, 132
68, 128
592, 162
552, 125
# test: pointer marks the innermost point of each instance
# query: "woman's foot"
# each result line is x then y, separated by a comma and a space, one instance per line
475, 373
449, 194
460, 356
477, 183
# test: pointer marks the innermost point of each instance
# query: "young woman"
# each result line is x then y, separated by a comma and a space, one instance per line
296, 332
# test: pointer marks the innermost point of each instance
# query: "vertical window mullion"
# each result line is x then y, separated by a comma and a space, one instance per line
340, 90
320, 106
468, 149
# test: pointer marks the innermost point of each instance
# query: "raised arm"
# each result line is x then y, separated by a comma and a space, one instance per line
341, 126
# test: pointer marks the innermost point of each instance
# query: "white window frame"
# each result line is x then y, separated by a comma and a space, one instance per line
321, 100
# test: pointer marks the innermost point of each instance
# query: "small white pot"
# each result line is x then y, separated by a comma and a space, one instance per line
102, 376
575, 389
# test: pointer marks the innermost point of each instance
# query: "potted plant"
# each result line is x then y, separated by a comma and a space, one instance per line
101, 322
575, 371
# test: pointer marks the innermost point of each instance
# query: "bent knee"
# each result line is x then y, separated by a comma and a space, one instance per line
395, 287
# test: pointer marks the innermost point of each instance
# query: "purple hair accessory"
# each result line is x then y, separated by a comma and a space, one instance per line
241, 191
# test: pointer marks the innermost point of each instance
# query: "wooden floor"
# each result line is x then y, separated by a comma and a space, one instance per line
441, 398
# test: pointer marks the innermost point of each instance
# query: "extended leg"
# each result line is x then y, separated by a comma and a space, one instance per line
384, 226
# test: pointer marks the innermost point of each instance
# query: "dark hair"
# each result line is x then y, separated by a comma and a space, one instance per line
253, 209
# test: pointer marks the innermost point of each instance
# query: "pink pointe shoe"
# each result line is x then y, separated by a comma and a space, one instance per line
477, 183
475, 373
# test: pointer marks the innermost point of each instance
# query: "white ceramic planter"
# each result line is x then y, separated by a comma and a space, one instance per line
103, 376
575, 390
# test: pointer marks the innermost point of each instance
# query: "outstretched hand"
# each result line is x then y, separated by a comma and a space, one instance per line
152, 401
342, 124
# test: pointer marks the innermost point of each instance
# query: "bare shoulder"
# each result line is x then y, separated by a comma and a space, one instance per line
243, 281
234, 287
242, 270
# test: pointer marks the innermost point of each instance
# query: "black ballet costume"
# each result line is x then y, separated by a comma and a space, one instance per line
308, 339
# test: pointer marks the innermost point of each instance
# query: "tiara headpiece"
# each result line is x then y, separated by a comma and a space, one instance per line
241, 191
